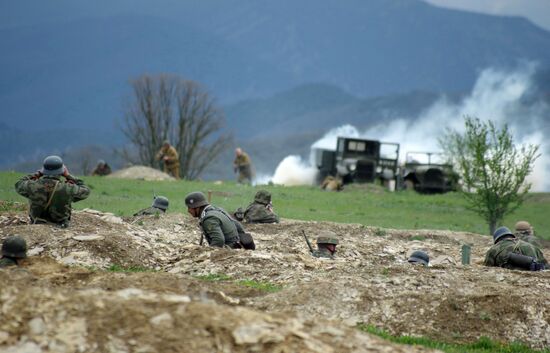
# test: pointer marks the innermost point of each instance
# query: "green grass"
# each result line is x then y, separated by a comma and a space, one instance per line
482, 345
118, 268
214, 277
263, 286
369, 206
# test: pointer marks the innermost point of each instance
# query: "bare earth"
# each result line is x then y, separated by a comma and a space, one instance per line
140, 172
60, 300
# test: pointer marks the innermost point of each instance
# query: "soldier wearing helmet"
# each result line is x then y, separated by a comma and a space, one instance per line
513, 253
326, 245
13, 249
219, 229
261, 210
50, 197
102, 168
159, 206
419, 257
170, 159
525, 232
243, 166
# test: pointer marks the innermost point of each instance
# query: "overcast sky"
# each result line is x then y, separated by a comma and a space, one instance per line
538, 11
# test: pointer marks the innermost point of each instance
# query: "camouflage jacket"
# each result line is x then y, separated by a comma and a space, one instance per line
322, 253
498, 254
39, 191
149, 211
529, 238
257, 212
218, 227
7, 261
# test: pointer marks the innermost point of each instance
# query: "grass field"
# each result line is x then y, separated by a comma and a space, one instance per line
366, 204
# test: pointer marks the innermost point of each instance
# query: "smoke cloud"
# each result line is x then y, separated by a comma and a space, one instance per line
501, 96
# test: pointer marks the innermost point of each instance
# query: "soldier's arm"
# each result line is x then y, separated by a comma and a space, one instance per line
211, 227
489, 258
79, 190
23, 185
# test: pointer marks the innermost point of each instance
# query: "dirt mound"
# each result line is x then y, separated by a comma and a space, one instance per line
370, 281
140, 172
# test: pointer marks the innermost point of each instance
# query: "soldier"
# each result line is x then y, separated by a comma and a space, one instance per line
13, 249
419, 257
159, 206
512, 253
331, 183
170, 159
50, 198
261, 210
242, 165
326, 245
218, 227
101, 168
525, 232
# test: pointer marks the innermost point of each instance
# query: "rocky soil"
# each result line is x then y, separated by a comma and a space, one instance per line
200, 299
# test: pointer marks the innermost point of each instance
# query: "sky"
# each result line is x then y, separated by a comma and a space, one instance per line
537, 11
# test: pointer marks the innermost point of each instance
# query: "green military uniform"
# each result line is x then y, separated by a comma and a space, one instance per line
261, 211
218, 228
244, 167
498, 254
149, 211
50, 198
326, 245
171, 160
7, 261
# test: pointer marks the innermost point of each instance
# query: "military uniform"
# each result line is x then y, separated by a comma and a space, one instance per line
261, 210
149, 211
498, 254
324, 253
244, 167
326, 245
171, 165
7, 261
529, 238
218, 228
331, 183
50, 198
102, 170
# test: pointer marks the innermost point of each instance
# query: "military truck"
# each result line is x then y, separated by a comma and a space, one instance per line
358, 161
426, 172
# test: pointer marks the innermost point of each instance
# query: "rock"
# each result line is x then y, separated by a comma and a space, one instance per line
90, 237
35, 251
4, 337
164, 319
36, 326
24, 347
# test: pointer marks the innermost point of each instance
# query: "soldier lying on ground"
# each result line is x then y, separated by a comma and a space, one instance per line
13, 249
525, 232
259, 211
159, 206
331, 183
218, 227
50, 198
513, 253
102, 168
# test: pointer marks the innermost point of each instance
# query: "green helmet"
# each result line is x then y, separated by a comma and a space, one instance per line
327, 237
263, 197
14, 246
53, 165
195, 199
161, 202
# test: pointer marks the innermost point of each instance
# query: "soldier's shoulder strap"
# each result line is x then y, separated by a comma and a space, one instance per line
53, 193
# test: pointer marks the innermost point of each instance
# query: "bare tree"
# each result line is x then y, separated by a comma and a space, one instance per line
492, 168
167, 107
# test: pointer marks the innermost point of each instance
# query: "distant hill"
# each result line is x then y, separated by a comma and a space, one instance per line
68, 62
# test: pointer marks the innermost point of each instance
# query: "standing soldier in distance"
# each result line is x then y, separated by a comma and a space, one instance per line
50, 197
243, 166
170, 159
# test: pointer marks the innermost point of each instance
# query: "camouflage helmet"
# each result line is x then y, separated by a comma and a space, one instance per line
500, 232
327, 237
53, 165
161, 202
195, 199
419, 256
14, 246
523, 226
263, 197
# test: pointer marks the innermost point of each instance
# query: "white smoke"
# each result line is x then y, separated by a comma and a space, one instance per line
497, 95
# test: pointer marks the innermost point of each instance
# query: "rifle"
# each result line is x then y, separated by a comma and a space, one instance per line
307, 241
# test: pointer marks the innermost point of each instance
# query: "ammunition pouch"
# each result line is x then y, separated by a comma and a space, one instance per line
524, 262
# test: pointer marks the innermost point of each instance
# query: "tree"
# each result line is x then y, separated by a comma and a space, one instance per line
167, 107
492, 168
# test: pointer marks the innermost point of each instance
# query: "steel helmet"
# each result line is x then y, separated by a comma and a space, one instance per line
327, 237
195, 199
500, 232
14, 246
419, 256
53, 165
161, 202
263, 197
522, 226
